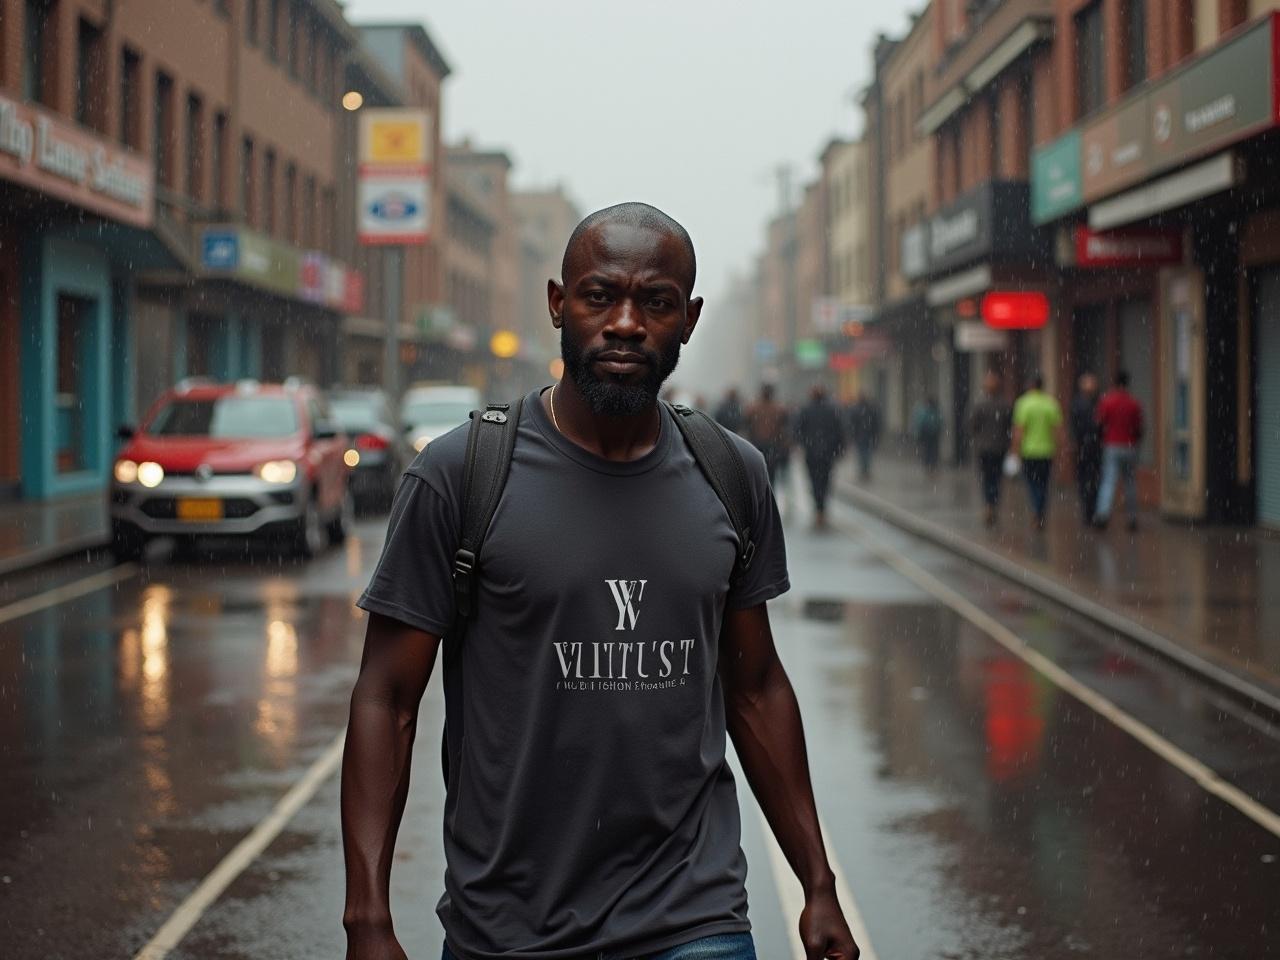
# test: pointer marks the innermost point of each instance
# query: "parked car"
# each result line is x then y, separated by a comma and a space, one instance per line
246, 459
378, 451
428, 412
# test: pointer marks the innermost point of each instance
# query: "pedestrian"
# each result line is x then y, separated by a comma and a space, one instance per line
589, 807
990, 423
769, 429
926, 425
1121, 423
1088, 440
729, 413
1037, 425
820, 434
864, 429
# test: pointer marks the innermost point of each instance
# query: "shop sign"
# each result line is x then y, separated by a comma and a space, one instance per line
811, 353
872, 346
1056, 187
1229, 94
974, 336
394, 190
831, 314
843, 362
259, 260
766, 351
47, 154
1015, 309
1127, 248
989, 222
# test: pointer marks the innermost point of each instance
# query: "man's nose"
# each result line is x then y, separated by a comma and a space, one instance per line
626, 320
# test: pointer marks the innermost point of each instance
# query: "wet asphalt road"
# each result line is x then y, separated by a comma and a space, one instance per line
976, 809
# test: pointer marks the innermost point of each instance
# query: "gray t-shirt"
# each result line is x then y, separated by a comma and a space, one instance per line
590, 807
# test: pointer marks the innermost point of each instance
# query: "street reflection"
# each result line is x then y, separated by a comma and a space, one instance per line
144, 656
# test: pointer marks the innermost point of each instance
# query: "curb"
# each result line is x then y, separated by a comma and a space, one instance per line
1234, 683
39, 556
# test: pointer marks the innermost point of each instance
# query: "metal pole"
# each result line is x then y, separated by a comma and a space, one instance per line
392, 275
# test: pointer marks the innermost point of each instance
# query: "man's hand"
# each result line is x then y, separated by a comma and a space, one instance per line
824, 931
373, 942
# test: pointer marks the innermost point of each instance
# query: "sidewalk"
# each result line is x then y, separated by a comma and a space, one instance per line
1205, 596
36, 532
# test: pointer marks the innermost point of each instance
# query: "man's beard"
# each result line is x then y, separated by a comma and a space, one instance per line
609, 397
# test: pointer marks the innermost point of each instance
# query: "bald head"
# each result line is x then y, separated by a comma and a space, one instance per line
640, 216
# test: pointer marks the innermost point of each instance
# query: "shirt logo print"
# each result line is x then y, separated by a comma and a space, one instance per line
627, 594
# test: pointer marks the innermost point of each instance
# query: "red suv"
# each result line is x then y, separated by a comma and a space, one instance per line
233, 459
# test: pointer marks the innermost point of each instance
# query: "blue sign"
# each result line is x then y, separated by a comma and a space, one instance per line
766, 351
394, 207
221, 250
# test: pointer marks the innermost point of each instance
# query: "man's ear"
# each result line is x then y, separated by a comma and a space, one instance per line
555, 303
691, 312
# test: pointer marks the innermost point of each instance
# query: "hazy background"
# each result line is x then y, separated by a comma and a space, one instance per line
688, 105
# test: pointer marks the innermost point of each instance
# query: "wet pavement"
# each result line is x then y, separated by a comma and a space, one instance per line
976, 809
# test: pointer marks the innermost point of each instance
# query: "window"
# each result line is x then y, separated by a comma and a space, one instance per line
162, 129
1091, 68
269, 191
291, 203
217, 157
195, 133
90, 85
35, 85
309, 213
252, 18
130, 91
997, 143
273, 29
247, 182
1135, 42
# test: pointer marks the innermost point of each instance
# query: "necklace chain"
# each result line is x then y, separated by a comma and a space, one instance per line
554, 421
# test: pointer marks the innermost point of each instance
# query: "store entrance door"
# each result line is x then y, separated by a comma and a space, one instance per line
1267, 460
1182, 373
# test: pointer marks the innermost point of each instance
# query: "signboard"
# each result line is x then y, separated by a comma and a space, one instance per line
831, 314
259, 260
1214, 101
914, 255
1056, 187
1015, 309
766, 351
872, 346
44, 153
974, 336
811, 353
394, 190
987, 223
1127, 248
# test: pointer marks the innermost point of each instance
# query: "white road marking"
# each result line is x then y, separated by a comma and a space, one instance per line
68, 591
1167, 751
791, 894
244, 853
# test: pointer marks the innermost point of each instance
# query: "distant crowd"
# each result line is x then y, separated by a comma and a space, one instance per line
1024, 437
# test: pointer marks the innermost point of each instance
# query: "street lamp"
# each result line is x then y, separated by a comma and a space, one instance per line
353, 100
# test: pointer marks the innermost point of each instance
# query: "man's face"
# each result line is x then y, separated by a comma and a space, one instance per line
624, 314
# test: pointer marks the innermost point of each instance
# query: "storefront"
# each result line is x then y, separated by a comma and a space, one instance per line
80, 215
981, 245
1179, 171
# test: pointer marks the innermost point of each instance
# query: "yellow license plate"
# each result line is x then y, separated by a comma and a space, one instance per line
195, 509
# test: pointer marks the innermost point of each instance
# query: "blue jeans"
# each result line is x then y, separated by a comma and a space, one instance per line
1118, 462
1037, 473
724, 946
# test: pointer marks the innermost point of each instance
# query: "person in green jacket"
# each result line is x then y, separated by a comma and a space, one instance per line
1037, 434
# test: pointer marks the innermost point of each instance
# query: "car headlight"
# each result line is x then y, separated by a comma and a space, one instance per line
150, 473
420, 443
126, 471
351, 458
276, 471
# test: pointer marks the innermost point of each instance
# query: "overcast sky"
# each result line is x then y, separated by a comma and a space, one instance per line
687, 104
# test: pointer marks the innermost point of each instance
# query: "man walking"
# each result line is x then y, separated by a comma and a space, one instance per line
1088, 439
729, 413
989, 425
1120, 422
926, 425
821, 436
864, 427
769, 429
1037, 423
619, 632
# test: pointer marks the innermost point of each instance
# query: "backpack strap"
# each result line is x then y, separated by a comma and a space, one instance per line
721, 463
490, 443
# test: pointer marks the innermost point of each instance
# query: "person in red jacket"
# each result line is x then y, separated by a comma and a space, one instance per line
1120, 420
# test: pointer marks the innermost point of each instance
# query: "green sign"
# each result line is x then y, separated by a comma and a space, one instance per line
811, 353
268, 264
1055, 179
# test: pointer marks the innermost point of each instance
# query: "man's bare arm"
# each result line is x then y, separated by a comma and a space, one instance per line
394, 670
764, 723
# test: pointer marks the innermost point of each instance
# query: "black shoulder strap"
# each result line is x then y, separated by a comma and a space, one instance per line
722, 465
490, 443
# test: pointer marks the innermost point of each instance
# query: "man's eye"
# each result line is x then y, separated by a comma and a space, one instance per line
598, 296
657, 303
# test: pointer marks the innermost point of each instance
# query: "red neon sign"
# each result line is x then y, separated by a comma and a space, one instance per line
1015, 310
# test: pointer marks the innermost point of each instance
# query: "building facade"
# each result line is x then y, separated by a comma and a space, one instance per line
544, 218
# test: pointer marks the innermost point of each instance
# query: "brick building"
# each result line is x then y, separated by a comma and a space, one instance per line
544, 219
